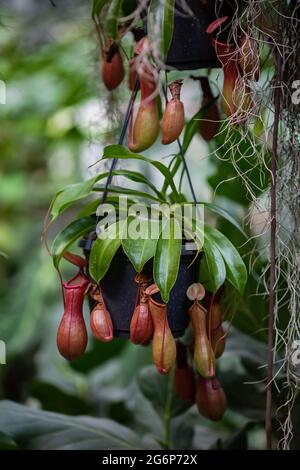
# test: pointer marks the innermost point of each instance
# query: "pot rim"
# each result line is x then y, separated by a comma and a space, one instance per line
120, 252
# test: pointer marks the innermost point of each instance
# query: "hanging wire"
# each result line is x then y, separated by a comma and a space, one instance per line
120, 141
93, 234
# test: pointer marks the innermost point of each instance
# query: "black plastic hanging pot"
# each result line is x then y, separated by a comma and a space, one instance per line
191, 46
119, 291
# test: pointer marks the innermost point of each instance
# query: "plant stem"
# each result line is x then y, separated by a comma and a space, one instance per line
272, 288
168, 410
121, 140
177, 164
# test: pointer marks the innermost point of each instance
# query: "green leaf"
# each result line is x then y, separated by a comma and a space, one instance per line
155, 387
236, 271
215, 265
251, 309
243, 392
118, 151
161, 24
139, 250
97, 7
194, 230
167, 258
104, 249
69, 235
154, 22
42, 430
113, 15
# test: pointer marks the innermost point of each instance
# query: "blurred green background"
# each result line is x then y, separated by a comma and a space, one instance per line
56, 118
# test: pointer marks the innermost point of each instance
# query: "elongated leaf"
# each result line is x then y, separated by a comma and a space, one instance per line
118, 151
224, 213
97, 7
6, 442
113, 16
69, 235
155, 387
104, 249
193, 125
37, 429
190, 130
214, 264
236, 271
139, 250
75, 192
66, 197
161, 23
167, 258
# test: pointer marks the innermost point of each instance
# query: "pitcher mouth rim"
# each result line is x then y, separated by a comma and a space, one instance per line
84, 281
